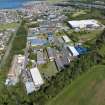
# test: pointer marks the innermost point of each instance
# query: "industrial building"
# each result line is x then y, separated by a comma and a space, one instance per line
66, 53
81, 50
50, 37
15, 70
66, 38
51, 54
59, 63
41, 59
80, 24
36, 76
37, 42
29, 87
72, 51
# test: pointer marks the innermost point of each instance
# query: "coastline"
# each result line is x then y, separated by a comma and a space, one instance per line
17, 5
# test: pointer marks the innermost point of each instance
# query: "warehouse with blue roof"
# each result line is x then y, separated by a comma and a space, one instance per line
80, 49
38, 42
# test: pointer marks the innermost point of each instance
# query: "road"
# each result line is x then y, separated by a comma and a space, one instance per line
8, 50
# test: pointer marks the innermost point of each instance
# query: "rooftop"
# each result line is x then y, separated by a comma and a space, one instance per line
73, 51
38, 81
83, 23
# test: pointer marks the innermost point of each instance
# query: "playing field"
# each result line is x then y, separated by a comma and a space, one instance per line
88, 89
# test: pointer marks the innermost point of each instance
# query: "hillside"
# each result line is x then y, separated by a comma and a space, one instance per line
88, 89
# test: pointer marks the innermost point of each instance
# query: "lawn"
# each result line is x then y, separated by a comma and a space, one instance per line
82, 12
84, 36
48, 69
89, 35
54, 1
88, 89
8, 25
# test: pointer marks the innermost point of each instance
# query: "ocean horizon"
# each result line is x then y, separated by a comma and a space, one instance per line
9, 4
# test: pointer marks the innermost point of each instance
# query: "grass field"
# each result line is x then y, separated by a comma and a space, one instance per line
88, 89
48, 69
8, 25
84, 36
82, 12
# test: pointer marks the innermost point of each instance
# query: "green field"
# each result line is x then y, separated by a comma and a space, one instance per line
88, 89
8, 25
78, 13
84, 36
48, 69
54, 1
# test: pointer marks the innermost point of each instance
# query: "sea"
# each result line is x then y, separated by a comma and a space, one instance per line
10, 4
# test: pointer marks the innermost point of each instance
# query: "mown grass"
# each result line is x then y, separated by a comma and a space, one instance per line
8, 25
48, 69
78, 13
87, 89
88, 35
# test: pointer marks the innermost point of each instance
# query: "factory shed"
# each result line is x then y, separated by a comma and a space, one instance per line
66, 38
50, 52
73, 51
38, 42
36, 76
65, 61
15, 70
81, 50
59, 64
29, 87
90, 23
50, 37
41, 57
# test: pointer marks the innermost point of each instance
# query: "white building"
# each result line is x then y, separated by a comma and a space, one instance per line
15, 70
66, 38
91, 23
29, 87
73, 51
36, 76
